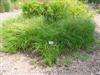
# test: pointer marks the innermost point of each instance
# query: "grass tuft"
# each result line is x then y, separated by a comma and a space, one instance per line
66, 34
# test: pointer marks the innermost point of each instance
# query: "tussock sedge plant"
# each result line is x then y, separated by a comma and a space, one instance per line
49, 29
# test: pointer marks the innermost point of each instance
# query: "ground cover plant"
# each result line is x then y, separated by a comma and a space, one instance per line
49, 29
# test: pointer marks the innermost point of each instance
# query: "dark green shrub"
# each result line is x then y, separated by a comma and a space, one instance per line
5, 5
52, 29
91, 1
94, 1
1, 6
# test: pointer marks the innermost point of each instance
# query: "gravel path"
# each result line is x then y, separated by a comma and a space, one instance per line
22, 64
5, 15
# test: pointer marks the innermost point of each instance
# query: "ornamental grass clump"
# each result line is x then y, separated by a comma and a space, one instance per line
49, 29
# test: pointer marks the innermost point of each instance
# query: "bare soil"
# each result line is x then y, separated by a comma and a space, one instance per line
5, 15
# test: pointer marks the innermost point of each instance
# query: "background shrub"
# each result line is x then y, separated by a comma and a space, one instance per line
92, 1
17, 4
5, 5
54, 9
32, 9
67, 24
1, 6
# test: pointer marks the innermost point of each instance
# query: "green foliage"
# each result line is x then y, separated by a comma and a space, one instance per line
1, 6
68, 26
5, 5
91, 1
14, 0
54, 9
17, 4
32, 9
94, 1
